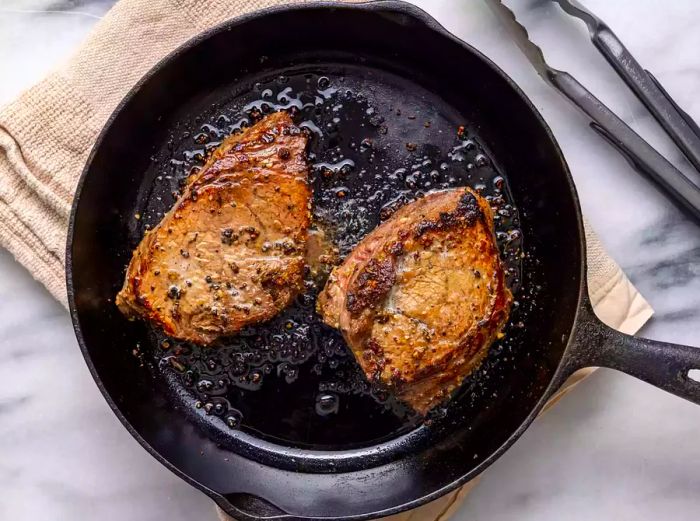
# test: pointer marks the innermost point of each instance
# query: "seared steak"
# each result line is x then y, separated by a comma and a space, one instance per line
231, 250
422, 297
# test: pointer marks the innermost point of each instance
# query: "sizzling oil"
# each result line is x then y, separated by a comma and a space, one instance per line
292, 379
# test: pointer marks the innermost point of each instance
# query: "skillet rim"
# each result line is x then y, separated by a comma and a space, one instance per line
378, 6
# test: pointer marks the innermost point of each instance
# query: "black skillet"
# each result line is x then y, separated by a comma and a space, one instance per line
276, 422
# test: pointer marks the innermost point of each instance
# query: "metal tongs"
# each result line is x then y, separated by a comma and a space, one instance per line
642, 156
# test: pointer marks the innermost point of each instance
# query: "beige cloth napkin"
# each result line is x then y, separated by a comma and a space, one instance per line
47, 133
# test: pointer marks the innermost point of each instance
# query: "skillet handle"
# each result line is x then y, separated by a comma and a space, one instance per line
663, 365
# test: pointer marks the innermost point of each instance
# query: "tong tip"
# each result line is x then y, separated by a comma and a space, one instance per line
522, 38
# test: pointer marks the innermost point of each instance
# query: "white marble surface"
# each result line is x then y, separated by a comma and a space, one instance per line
613, 449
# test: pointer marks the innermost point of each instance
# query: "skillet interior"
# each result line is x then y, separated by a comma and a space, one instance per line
395, 60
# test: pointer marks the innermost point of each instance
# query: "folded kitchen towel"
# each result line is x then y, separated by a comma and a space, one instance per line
47, 133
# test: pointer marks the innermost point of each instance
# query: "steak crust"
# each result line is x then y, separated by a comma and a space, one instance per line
230, 252
422, 297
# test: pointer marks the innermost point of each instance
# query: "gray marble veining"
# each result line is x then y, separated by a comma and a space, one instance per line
615, 448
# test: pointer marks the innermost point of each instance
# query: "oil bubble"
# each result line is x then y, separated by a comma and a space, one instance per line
327, 404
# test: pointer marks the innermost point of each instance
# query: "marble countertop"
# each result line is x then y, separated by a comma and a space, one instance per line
615, 448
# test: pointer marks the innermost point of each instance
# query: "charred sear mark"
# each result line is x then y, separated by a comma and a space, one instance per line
284, 154
373, 356
371, 285
468, 208
396, 378
466, 213
396, 248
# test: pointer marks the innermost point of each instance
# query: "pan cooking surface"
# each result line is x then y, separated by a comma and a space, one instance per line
377, 141
398, 59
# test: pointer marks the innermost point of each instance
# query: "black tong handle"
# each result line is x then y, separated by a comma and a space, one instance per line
641, 155
678, 125
689, 120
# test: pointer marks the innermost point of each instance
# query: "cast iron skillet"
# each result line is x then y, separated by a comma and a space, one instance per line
406, 81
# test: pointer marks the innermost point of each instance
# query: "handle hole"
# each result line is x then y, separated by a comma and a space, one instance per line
694, 374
